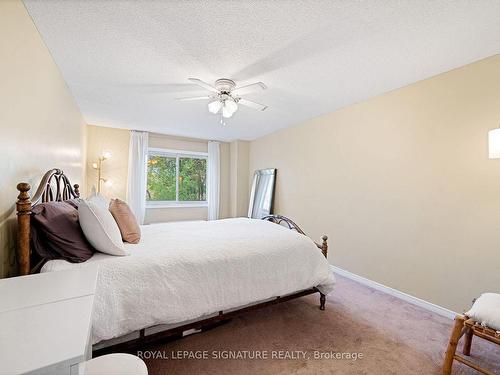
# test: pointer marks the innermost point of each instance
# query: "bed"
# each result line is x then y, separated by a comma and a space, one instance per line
185, 275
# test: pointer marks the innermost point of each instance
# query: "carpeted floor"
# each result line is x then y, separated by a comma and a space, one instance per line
393, 337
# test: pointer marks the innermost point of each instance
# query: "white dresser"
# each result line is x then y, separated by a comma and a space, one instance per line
45, 322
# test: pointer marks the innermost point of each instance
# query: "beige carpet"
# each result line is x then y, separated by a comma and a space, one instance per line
393, 336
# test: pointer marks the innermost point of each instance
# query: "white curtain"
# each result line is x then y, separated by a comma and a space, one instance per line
213, 180
137, 174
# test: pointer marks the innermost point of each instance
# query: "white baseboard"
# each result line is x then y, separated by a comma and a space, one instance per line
396, 293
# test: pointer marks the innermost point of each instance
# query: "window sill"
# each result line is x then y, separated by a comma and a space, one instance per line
176, 205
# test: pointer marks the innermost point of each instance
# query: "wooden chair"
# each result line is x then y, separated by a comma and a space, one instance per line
464, 326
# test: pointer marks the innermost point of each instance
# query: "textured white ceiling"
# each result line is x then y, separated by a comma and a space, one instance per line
126, 61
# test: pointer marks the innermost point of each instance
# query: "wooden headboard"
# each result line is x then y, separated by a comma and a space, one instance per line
55, 186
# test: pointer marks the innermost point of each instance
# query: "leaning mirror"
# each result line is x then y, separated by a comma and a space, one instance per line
262, 193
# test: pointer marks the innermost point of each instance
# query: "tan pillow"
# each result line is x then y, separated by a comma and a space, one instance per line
126, 221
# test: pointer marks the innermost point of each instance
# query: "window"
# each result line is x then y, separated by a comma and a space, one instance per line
176, 178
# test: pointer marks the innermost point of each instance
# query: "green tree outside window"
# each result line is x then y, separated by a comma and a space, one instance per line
162, 174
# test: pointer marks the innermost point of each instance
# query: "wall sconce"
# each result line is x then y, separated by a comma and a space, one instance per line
97, 165
494, 144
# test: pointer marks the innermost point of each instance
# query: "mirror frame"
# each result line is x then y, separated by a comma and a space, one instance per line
255, 181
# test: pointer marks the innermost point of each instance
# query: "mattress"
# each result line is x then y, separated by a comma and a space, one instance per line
184, 270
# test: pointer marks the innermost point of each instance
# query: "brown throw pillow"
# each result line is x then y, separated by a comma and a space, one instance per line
126, 221
56, 232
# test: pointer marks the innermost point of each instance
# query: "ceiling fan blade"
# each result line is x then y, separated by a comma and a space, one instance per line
254, 105
205, 85
157, 88
193, 98
249, 88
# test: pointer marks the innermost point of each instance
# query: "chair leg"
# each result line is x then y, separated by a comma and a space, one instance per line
322, 300
468, 342
452, 345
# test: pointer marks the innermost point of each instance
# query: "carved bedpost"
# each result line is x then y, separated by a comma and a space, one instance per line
324, 246
77, 190
23, 206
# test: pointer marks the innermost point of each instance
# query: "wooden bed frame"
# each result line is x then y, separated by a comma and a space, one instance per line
55, 186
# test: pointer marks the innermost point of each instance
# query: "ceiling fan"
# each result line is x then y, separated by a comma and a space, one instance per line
225, 96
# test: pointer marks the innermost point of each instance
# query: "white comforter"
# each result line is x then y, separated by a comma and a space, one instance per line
181, 271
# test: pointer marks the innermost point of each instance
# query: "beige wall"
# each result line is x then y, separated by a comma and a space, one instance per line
402, 184
41, 125
116, 169
239, 152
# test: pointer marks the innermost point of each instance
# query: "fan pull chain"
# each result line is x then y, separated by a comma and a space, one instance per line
222, 122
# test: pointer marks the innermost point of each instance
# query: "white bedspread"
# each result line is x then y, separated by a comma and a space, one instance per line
181, 271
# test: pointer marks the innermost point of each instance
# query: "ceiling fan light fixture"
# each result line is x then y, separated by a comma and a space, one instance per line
214, 106
226, 113
231, 105
229, 108
227, 98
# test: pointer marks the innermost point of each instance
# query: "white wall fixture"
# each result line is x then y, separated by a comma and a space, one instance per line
494, 144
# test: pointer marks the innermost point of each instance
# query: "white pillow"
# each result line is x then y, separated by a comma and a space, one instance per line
100, 228
486, 310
